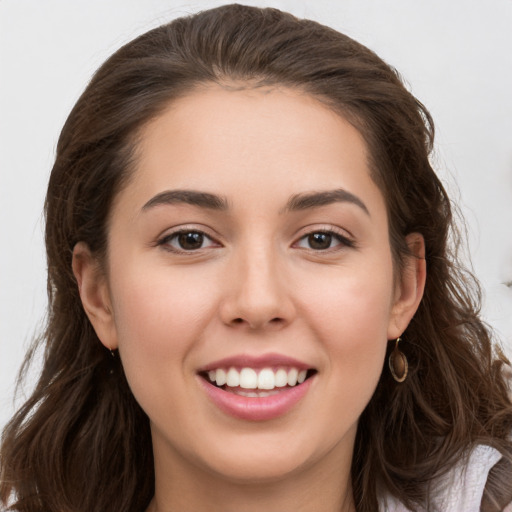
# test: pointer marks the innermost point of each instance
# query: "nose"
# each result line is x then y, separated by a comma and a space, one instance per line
258, 293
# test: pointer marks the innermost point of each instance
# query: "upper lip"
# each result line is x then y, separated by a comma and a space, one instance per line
257, 362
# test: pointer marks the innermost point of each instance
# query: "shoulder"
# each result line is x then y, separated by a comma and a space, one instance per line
460, 489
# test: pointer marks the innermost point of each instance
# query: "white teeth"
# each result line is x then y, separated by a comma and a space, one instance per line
292, 377
249, 378
220, 377
233, 378
266, 379
254, 394
281, 378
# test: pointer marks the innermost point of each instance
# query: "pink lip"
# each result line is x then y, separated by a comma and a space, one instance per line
263, 361
256, 409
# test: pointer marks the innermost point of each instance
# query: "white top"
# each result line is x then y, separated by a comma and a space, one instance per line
459, 490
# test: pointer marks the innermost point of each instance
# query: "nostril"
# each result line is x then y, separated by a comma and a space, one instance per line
258, 324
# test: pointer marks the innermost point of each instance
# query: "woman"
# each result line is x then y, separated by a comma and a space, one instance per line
253, 303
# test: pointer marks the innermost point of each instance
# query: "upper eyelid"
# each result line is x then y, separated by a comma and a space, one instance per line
215, 237
172, 234
169, 232
345, 238
164, 242
342, 238
324, 228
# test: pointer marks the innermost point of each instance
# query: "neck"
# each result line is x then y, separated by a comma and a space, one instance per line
321, 488
252, 499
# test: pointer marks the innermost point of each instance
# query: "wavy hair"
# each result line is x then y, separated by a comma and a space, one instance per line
81, 442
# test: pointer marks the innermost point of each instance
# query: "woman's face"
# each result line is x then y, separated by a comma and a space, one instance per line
251, 245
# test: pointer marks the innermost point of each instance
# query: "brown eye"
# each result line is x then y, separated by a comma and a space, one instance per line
187, 241
320, 241
323, 241
190, 241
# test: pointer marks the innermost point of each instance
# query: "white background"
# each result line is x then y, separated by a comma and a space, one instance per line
454, 54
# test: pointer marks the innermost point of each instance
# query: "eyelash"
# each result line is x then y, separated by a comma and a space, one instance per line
164, 242
343, 240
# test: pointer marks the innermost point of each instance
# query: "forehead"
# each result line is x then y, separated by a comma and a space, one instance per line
225, 140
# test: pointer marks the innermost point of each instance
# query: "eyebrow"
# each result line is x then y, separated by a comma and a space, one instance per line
192, 197
316, 199
296, 202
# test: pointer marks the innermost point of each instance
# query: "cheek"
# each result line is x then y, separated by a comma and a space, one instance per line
160, 318
352, 306
350, 316
155, 311
358, 328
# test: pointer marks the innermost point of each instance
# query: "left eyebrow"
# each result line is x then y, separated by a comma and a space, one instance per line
192, 197
308, 200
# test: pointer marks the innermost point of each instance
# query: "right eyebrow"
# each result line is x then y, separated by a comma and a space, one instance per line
308, 200
193, 197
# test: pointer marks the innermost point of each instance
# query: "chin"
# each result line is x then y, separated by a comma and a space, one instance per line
258, 471
264, 459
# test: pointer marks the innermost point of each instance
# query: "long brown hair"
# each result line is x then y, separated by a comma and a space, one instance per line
82, 443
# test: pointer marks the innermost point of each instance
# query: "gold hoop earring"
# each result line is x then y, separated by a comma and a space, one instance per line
398, 365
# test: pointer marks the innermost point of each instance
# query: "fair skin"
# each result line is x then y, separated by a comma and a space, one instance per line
259, 273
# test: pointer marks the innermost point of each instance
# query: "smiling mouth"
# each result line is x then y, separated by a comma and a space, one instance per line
257, 383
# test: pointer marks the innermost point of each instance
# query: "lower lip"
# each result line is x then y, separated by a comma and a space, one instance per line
256, 409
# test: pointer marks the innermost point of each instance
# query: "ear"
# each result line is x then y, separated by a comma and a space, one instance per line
94, 293
409, 287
